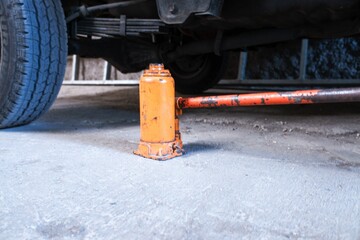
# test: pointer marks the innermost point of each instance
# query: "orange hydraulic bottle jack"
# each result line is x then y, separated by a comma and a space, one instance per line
160, 111
160, 135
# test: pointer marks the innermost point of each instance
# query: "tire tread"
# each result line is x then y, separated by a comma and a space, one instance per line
40, 63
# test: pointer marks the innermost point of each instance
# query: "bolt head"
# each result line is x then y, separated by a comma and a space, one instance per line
173, 8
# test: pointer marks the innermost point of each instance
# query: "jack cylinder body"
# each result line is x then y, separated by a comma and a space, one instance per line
158, 138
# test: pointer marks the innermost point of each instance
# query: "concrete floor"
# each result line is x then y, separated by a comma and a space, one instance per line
288, 172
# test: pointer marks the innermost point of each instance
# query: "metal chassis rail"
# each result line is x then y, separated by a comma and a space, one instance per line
241, 80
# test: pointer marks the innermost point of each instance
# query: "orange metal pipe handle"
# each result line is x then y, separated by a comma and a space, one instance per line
160, 111
272, 98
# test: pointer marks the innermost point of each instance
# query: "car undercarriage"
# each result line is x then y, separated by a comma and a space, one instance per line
186, 34
191, 38
219, 22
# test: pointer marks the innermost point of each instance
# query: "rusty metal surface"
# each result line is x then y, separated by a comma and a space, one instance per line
159, 127
159, 113
273, 98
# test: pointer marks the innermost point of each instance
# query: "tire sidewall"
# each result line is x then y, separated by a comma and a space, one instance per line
9, 52
203, 78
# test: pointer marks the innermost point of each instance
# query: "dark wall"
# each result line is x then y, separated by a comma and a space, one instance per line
327, 59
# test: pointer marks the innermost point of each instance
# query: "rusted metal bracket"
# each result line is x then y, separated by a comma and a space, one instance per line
159, 113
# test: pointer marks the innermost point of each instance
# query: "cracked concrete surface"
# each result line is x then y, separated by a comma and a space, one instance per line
290, 172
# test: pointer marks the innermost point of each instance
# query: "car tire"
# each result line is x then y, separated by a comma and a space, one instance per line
33, 58
195, 74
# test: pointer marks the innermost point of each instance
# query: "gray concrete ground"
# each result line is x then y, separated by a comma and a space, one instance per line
249, 173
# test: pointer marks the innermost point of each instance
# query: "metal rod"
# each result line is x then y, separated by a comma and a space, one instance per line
75, 68
273, 98
303, 58
107, 71
242, 66
296, 82
102, 83
85, 11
